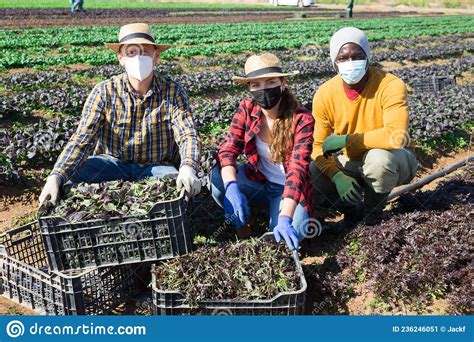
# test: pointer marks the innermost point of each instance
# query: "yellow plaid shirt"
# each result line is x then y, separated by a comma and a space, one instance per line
155, 129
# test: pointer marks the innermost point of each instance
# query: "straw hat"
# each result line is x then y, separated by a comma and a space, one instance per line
262, 66
136, 34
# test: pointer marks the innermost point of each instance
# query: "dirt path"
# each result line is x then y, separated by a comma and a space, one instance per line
39, 18
8, 307
63, 22
437, 163
15, 202
401, 8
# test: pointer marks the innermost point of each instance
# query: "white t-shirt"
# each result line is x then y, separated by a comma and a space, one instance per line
275, 173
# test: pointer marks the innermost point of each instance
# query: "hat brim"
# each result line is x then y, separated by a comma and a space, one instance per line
116, 46
245, 80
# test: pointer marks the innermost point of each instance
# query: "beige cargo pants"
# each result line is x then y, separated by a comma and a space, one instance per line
381, 170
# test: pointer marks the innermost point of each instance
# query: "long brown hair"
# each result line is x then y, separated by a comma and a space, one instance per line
283, 128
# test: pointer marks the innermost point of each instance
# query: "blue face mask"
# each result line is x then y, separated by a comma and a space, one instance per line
352, 71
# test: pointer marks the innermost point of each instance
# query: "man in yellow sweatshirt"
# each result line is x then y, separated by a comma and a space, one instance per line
362, 112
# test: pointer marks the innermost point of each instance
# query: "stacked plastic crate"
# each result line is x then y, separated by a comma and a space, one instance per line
57, 267
433, 84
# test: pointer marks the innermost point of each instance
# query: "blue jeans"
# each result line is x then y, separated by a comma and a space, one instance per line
77, 4
104, 168
260, 195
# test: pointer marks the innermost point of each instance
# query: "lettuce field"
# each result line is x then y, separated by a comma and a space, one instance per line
416, 261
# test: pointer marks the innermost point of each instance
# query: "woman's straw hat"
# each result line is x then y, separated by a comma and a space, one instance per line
262, 66
138, 33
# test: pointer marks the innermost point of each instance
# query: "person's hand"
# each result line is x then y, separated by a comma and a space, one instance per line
187, 179
50, 190
347, 188
235, 205
334, 143
285, 229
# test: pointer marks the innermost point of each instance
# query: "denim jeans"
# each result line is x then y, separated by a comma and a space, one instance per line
260, 195
104, 168
77, 4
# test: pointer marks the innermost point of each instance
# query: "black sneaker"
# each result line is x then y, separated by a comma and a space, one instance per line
352, 216
374, 204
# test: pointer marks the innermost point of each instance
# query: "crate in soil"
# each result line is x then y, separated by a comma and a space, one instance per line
161, 234
25, 278
433, 84
288, 303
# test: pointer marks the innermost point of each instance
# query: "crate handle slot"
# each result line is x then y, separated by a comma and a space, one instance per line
22, 238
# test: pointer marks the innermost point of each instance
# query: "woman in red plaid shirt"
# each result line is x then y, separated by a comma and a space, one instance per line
276, 135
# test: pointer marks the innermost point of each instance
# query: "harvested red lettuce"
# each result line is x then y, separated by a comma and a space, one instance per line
114, 198
250, 269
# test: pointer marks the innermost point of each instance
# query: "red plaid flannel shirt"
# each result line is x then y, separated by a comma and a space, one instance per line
246, 124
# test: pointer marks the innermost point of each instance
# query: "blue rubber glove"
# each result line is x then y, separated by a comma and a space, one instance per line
285, 229
236, 209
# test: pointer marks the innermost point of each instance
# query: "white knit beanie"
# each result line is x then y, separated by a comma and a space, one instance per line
348, 35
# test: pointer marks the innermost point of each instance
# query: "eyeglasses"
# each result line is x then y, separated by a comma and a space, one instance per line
136, 50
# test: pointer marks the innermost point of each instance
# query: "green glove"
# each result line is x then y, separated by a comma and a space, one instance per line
347, 188
334, 143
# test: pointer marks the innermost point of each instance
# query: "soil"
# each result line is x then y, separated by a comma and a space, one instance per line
15, 202
403, 9
438, 161
42, 18
8, 307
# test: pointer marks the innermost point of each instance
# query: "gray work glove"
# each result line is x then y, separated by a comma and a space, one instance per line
51, 190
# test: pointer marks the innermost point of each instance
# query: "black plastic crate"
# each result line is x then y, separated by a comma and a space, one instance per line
25, 279
433, 84
287, 303
161, 234
204, 214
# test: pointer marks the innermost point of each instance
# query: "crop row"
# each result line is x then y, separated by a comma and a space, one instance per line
29, 48
59, 92
100, 13
432, 116
39, 57
400, 258
35, 145
320, 53
245, 32
317, 65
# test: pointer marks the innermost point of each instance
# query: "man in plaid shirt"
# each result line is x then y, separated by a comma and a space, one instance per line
135, 125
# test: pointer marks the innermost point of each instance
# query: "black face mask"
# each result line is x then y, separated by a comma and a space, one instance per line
267, 98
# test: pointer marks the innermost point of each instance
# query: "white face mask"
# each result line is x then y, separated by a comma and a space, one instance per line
139, 67
352, 71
